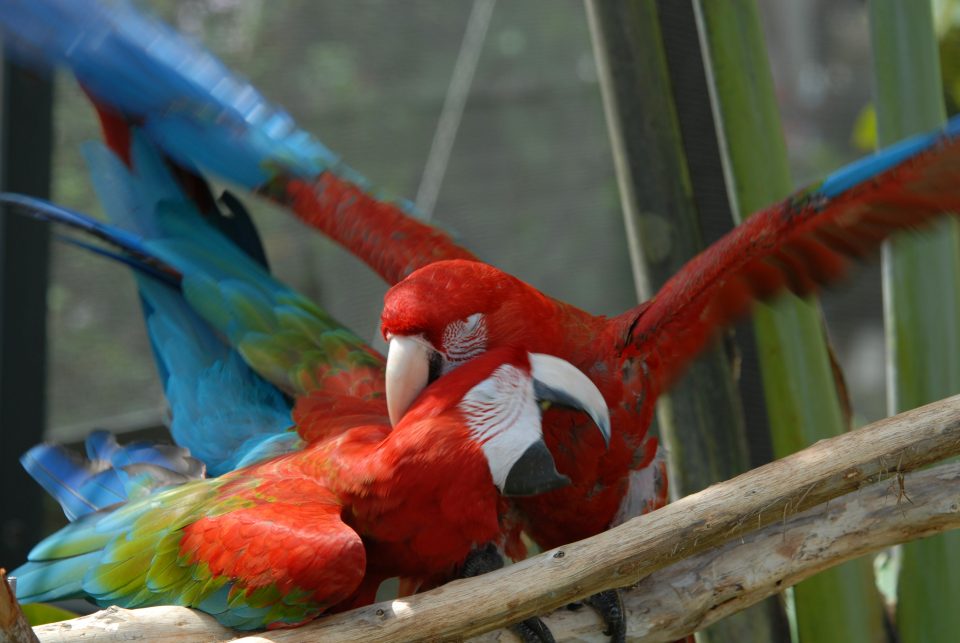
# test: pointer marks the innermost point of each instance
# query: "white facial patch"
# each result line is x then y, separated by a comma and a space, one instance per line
503, 416
464, 339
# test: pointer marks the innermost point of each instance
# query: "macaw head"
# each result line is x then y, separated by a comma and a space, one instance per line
498, 397
448, 312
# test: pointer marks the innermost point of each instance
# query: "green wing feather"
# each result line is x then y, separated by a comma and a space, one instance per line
251, 551
283, 336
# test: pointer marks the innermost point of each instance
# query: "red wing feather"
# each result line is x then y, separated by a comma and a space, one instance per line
381, 234
292, 539
319, 415
800, 244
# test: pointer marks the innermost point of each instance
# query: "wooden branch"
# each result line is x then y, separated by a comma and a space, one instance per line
693, 593
684, 597
13, 625
623, 556
166, 624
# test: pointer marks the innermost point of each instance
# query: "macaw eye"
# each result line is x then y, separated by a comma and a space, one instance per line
464, 339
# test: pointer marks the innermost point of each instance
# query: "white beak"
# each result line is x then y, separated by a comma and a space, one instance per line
560, 381
408, 368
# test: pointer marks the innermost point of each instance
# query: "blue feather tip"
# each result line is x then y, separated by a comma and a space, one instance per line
110, 474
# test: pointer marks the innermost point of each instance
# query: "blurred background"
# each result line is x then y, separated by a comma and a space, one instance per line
529, 183
487, 114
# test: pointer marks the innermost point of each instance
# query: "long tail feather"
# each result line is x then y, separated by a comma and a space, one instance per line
130, 247
222, 411
148, 269
279, 333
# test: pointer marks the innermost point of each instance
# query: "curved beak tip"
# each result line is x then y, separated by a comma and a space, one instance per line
559, 381
604, 426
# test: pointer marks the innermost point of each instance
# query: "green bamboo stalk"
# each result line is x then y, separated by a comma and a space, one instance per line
921, 299
802, 402
662, 226
700, 421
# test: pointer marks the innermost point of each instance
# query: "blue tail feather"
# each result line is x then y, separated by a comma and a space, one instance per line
221, 409
63, 474
149, 269
132, 250
240, 409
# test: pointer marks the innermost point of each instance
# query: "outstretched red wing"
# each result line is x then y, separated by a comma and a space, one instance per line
800, 244
380, 233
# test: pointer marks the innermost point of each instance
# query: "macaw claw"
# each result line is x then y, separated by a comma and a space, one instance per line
487, 558
609, 605
481, 560
533, 630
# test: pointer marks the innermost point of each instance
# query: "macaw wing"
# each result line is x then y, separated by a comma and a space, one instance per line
110, 474
249, 552
799, 244
221, 410
322, 414
205, 117
282, 335
387, 237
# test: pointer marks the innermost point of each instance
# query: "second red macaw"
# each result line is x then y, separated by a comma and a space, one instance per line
317, 530
453, 309
458, 307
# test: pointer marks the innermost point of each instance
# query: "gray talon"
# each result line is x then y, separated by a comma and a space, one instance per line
609, 604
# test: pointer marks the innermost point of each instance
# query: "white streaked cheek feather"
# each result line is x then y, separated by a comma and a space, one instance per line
463, 340
503, 416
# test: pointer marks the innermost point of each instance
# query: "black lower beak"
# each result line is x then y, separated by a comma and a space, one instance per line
534, 472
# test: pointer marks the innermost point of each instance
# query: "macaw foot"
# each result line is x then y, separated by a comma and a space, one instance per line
609, 605
487, 559
533, 630
483, 559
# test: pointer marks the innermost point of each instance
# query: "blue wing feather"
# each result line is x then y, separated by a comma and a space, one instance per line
109, 475
221, 409
218, 403
142, 67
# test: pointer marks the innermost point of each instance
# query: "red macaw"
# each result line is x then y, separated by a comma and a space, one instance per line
205, 117
799, 244
235, 132
189, 268
281, 541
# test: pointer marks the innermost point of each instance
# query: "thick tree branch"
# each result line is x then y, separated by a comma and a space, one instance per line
695, 592
730, 511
